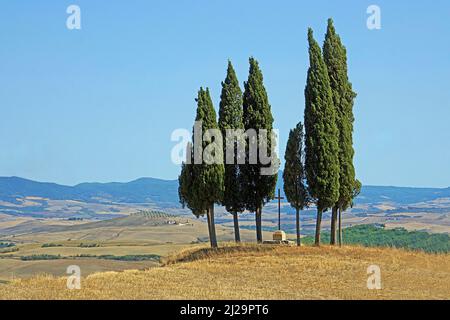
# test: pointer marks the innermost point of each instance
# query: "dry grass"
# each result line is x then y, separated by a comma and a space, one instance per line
258, 272
202, 252
13, 268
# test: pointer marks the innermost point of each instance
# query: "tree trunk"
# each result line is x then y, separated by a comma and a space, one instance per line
298, 225
237, 236
334, 217
258, 225
212, 227
318, 223
340, 227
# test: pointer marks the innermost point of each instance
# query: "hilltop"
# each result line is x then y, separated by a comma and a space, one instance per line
260, 272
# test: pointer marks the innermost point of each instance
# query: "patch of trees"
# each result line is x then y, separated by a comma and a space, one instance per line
88, 245
51, 245
9, 250
153, 214
318, 158
135, 257
7, 244
41, 257
142, 257
372, 235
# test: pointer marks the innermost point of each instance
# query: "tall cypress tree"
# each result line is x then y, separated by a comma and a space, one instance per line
201, 185
230, 117
335, 57
185, 182
321, 133
258, 188
294, 174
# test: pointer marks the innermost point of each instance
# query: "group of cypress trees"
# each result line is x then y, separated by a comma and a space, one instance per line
321, 171
238, 186
319, 155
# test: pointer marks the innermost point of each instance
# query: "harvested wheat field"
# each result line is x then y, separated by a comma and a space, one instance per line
260, 272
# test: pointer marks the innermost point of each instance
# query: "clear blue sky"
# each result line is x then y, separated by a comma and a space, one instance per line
100, 104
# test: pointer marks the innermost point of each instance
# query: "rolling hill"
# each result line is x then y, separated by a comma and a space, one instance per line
137, 228
84, 243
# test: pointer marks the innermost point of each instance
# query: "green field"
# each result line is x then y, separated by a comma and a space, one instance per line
378, 236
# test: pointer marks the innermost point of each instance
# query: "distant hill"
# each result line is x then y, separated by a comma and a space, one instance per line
142, 190
19, 196
400, 195
395, 195
166, 191
150, 219
140, 227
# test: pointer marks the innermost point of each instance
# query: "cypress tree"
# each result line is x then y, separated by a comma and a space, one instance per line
321, 135
185, 181
294, 174
258, 188
201, 185
230, 117
335, 57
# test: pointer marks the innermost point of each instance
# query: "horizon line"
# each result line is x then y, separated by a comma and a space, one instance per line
172, 180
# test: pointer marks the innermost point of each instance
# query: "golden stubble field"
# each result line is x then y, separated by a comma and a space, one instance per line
259, 272
118, 237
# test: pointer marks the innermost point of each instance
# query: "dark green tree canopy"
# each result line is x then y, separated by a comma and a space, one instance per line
257, 110
257, 189
335, 57
294, 174
201, 185
185, 181
230, 111
321, 143
230, 117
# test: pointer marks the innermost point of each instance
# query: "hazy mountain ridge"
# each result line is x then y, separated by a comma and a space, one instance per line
137, 191
145, 189
401, 195
19, 196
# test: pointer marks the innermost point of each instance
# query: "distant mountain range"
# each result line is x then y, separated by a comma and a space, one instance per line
166, 191
394, 195
142, 190
18, 195
22, 197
